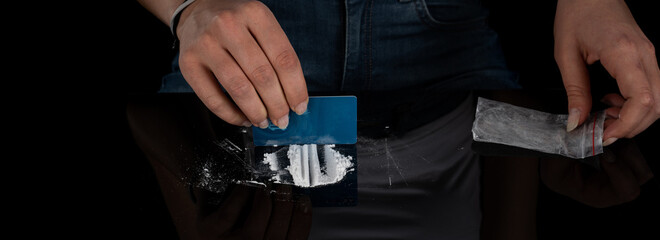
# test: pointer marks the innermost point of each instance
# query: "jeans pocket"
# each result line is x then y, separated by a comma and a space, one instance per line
452, 14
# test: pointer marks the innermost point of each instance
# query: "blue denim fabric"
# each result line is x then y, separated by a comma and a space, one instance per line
397, 55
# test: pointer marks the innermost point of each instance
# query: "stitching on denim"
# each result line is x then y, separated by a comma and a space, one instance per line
420, 9
425, 15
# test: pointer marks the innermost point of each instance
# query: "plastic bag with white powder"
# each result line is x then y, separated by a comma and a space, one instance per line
502, 123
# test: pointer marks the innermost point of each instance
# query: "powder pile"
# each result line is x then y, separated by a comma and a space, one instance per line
307, 170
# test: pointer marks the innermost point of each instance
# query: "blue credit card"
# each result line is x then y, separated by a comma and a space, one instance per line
328, 120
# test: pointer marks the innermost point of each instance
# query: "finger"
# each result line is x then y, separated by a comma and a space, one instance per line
281, 54
301, 220
251, 58
622, 180
257, 220
241, 90
205, 85
611, 115
613, 99
613, 112
628, 69
633, 119
653, 72
576, 82
653, 103
606, 124
280, 218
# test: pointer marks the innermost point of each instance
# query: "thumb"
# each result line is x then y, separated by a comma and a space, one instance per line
576, 82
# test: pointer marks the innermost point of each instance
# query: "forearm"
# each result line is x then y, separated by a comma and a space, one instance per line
162, 9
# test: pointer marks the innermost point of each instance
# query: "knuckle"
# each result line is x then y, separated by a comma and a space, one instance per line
224, 17
238, 87
186, 55
233, 118
279, 111
216, 106
262, 75
646, 99
186, 59
225, 21
649, 47
575, 90
255, 7
220, 109
287, 60
625, 44
206, 41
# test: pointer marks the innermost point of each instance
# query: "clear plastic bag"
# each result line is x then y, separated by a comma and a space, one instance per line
502, 123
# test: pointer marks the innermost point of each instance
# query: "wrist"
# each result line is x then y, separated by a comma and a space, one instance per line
176, 16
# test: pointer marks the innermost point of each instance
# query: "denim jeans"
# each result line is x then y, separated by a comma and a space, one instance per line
393, 54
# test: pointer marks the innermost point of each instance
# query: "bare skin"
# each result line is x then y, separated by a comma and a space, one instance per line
587, 31
238, 46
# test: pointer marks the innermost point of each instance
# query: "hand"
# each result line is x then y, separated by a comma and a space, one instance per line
241, 45
587, 31
623, 170
256, 213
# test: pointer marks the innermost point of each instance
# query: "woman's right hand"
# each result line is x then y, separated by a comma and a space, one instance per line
240, 46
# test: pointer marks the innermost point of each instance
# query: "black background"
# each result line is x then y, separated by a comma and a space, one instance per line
130, 50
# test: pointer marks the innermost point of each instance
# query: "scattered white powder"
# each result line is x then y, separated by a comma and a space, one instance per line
251, 182
305, 167
271, 160
338, 167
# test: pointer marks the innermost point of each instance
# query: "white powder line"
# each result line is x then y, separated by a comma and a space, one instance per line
305, 166
314, 166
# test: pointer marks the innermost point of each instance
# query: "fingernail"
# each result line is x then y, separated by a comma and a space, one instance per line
263, 124
609, 141
247, 124
283, 122
301, 108
573, 119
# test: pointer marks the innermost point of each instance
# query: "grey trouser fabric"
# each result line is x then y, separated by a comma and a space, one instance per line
423, 185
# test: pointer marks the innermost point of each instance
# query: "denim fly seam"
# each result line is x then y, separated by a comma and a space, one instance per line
353, 79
